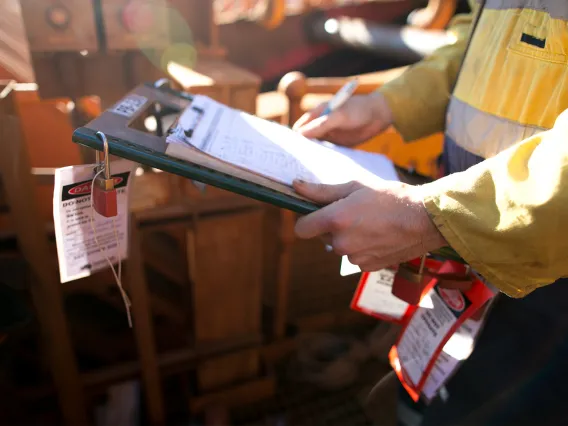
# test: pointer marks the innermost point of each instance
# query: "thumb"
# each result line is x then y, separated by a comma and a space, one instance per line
325, 194
319, 127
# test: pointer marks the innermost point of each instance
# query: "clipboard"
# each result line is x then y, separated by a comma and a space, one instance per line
122, 124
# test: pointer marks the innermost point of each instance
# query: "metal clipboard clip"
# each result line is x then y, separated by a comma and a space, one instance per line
165, 83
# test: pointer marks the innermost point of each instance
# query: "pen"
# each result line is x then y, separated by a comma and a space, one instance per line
341, 97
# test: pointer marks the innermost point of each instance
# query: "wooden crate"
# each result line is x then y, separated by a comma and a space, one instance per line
220, 80
225, 267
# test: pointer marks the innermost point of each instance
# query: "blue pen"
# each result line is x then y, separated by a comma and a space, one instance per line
340, 97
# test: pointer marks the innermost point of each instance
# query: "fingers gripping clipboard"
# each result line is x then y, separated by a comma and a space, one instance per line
123, 127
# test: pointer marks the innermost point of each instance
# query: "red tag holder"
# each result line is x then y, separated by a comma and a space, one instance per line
390, 294
430, 325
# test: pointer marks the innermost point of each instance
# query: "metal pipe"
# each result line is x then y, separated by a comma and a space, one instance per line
405, 43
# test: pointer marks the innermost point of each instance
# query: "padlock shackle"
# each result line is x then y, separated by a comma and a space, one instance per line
104, 140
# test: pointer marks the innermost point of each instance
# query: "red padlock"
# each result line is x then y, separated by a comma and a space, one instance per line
104, 197
412, 278
105, 200
410, 281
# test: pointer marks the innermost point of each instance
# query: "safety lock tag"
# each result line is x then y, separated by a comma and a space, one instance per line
442, 312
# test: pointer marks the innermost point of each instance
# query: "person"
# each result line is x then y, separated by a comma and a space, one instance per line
499, 92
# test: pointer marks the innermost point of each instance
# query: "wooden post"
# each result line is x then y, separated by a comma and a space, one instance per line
46, 289
286, 243
143, 327
224, 264
294, 86
435, 15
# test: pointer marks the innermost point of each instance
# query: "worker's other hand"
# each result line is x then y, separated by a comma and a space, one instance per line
375, 227
356, 121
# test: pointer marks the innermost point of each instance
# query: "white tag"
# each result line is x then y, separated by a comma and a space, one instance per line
376, 295
427, 328
77, 249
457, 349
128, 106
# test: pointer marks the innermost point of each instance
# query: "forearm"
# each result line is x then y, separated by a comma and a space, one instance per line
508, 216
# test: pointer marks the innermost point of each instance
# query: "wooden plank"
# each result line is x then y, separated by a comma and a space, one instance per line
165, 215
43, 36
330, 319
191, 22
15, 62
104, 75
171, 363
165, 257
286, 239
236, 395
46, 290
225, 267
220, 371
226, 272
41, 121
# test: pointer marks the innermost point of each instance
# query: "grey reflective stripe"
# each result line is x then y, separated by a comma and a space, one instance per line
481, 133
555, 8
456, 159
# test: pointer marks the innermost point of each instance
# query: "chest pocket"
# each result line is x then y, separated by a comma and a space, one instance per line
536, 35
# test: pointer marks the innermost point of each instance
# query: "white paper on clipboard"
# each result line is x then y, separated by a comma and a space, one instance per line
272, 150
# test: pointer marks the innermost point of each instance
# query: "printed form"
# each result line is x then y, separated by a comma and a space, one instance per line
77, 249
458, 348
272, 150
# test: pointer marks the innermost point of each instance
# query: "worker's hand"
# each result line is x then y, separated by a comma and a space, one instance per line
375, 227
356, 121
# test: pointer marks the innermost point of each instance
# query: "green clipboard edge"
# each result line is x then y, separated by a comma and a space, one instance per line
125, 149
143, 155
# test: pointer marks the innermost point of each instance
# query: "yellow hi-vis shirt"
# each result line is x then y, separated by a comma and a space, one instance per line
507, 216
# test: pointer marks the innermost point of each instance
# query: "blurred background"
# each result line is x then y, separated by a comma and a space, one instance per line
235, 322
